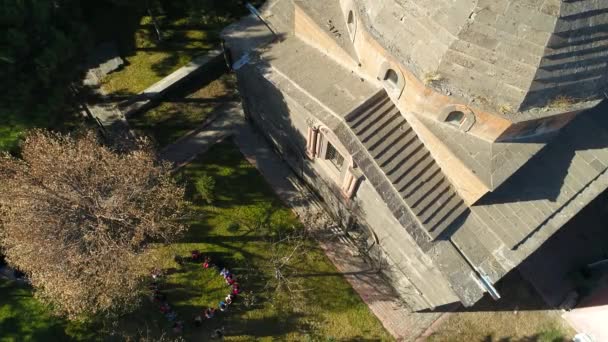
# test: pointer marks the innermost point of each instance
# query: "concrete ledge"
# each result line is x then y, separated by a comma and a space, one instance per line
144, 99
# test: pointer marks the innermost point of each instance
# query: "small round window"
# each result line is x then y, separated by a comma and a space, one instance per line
455, 118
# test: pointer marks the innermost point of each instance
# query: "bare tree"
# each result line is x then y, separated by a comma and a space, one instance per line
76, 216
286, 254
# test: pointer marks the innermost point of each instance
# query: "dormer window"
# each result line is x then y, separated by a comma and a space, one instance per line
392, 78
455, 118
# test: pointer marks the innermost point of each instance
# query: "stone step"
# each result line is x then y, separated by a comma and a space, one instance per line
389, 131
407, 164
429, 196
422, 171
396, 157
432, 179
402, 171
438, 204
372, 121
390, 147
437, 224
371, 114
367, 107
416, 193
391, 118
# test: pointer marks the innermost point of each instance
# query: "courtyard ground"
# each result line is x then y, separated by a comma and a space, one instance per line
520, 315
238, 229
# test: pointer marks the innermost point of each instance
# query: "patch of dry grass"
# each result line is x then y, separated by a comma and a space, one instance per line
562, 102
432, 77
520, 315
505, 109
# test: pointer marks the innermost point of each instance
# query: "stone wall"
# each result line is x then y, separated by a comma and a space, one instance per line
284, 122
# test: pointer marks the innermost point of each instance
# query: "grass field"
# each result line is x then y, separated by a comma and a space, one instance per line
186, 33
23, 318
152, 60
237, 229
184, 111
13, 127
229, 230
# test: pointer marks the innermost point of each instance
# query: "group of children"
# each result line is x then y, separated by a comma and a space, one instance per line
230, 279
160, 297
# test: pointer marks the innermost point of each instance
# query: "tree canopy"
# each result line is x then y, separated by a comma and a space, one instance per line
40, 43
76, 217
40, 40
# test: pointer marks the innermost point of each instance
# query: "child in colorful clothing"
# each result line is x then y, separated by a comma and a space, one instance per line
235, 289
209, 313
223, 306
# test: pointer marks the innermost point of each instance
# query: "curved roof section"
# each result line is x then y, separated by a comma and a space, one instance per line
504, 55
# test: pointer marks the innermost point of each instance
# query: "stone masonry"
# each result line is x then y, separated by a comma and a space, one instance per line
454, 136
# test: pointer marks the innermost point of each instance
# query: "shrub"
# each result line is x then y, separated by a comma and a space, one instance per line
234, 227
205, 186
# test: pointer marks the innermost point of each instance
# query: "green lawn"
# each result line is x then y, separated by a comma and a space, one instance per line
23, 318
227, 231
188, 29
13, 127
237, 229
185, 110
152, 60
10, 134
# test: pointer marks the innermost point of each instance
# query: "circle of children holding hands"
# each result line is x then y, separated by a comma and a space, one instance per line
160, 297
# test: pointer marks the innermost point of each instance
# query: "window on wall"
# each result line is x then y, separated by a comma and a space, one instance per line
455, 118
334, 157
392, 77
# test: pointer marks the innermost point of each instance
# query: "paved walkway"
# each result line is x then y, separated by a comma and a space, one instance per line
227, 118
396, 318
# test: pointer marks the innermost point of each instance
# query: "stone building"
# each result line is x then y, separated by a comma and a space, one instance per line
459, 135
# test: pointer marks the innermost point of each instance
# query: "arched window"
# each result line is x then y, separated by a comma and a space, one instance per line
334, 157
351, 18
392, 77
455, 118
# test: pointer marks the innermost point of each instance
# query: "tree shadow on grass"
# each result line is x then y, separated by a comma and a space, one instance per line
274, 326
30, 321
166, 65
125, 22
